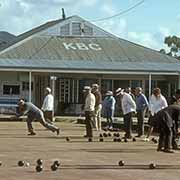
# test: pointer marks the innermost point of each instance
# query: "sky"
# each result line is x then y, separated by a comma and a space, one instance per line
147, 24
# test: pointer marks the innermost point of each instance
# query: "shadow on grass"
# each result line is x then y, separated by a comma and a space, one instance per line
116, 167
117, 150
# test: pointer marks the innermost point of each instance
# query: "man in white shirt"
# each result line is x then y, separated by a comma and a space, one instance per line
48, 105
128, 106
98, 106
157, 102
89, 107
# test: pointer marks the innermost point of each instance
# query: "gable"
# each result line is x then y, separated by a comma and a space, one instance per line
71, 26
75, 26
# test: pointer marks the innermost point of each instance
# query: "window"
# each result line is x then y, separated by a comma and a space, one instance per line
11, 89
121, 84
163, 85
25, 86
76, 28
88, 31
153, 85
106, 85
136, 83
65, 30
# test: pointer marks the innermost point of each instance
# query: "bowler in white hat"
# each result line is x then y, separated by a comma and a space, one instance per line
109, 93
48, 106
48, 89
119, 91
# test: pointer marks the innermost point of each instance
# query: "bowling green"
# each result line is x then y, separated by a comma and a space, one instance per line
79, 158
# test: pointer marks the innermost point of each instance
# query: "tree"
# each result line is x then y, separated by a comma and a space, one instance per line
162, 51
173, 42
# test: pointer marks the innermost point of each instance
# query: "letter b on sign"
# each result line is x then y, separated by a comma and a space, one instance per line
82, 46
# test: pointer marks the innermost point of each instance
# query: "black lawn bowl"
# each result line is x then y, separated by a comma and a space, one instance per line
57, 163
121, 163
109, 134
115, 134
105, 135
100, 135
152, 166
115, 140
119, 140
39, 162
101, 140
154, 140
21, 163
54, 167
39, 168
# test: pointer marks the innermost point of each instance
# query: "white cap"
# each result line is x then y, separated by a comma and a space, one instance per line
95, 85
87, 88
119, 91
48, 89
109, 93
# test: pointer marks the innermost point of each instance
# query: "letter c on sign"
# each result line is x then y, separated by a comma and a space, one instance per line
95, 47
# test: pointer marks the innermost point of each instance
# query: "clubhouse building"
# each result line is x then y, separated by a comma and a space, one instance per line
69, 53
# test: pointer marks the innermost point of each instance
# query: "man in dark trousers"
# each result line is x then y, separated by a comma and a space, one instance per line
48, 106
128, 106
33, 112
141, 106
167, 120
89, 111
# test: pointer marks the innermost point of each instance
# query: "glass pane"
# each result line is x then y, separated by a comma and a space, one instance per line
65, 30
11, 89
76, 29
106, 85
121, 84
163, 85
136, 83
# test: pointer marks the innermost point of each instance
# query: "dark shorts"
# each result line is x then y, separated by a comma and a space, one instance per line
152, 121
48, 115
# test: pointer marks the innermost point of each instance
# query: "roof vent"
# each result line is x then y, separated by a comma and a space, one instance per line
63, 14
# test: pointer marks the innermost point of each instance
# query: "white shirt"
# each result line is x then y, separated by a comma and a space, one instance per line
90, 102
156, 104
48, 103
128, 104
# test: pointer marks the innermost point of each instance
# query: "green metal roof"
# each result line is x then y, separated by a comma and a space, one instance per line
111, 50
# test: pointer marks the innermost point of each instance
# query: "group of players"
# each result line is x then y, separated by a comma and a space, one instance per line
162, 116
165, 118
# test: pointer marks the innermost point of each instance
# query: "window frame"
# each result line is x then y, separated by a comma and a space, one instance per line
11, 84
